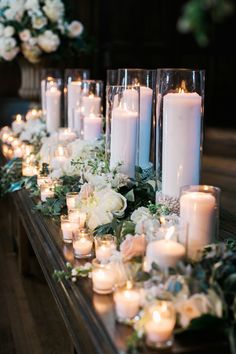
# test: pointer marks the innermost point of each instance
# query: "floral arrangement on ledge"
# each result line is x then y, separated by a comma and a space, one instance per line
38, 29
201, 290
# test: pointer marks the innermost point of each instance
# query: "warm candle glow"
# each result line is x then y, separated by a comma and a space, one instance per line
18, 118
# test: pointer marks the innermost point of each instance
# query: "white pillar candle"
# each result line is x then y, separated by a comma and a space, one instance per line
53, 104
82, 247
77, 121
73, 97
66, 134
126, 303
165, 253
181, 141
103, 280
124, 126
198, 216
145, 126
159, 329
92, 127
43, 96
91, 104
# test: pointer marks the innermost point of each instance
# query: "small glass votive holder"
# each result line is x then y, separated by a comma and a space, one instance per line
160, 318
41, 179
199, 217
76, 215
82, 243
103, 277
66, 135
29, 169
46, 191
127, 302
105, 245
72, 200
68, 228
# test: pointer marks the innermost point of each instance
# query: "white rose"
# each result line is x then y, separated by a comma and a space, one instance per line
38, 20
54, 9
75, 29
32, 5
193, 307
8, 31
15, 10
111, 201
139, 214
48, 41
25, 35
97, 217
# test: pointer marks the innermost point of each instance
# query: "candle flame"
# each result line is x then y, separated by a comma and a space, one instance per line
162, 220
182, 88
156, 316
60, 151
129, 285
91, 95
169, 233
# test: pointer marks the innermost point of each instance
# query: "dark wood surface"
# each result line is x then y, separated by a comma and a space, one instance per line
90, 318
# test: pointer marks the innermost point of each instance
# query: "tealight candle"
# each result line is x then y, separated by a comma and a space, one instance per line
127, 302
82, 243
68, 228
72, 200
103, 277
104, 247
76, 215
46, 191
159, 324
166, 252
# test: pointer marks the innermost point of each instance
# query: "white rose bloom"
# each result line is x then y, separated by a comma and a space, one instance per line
8, 31
139, 214
97, 217
38, 20
8, 48
48, 41
193, 307
25, 35
110, 201
32, 5
75, 29
54, 9
15, 10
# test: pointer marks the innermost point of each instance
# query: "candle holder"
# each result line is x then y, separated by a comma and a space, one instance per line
160, 318
53, 97
73, 79
68, 228
72, 200
145, 79
179, 111
112, 77
127, 303
103, 277
46, 191
122, 122
76, 215
61, 156
199, 217
42, 179
82, 243
18, 124
46, 75
105, 245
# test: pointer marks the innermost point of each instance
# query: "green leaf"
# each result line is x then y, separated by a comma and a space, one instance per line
128, 227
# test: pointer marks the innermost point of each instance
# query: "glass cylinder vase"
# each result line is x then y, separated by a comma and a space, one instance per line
199, 217
122, 122
145, 79
73, 79
46, 75
179, 112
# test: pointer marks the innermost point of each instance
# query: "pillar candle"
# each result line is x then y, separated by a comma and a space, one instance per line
91, 104
43, 96
53, 104
73, 96
181, 141
198, 215
77, 121
124, 127
92, 127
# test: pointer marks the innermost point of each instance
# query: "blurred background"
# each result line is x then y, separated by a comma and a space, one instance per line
152, 34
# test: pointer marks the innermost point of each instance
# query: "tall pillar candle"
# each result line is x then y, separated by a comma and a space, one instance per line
199, 217
53, 104
73, 97
92, 127
91, 104
181, 141
43, 96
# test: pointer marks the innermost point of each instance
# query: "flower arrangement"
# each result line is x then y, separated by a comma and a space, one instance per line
38, 29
